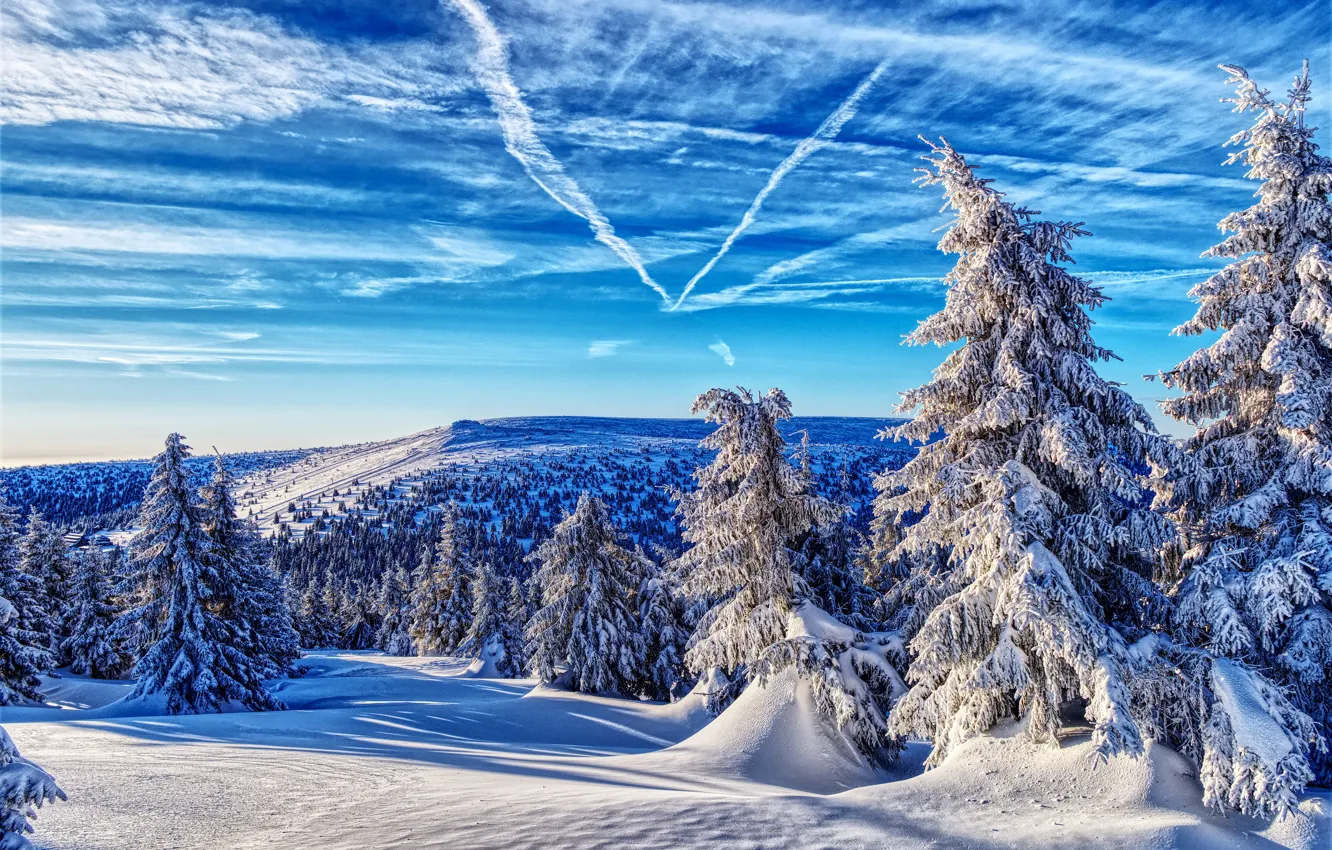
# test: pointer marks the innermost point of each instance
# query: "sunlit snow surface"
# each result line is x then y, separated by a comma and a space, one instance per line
406, 753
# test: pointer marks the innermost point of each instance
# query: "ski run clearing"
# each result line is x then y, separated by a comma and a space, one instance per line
390, 752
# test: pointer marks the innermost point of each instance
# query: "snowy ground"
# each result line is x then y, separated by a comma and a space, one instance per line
408, 753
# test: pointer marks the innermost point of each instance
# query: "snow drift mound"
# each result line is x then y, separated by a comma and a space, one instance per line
772, 734
488, 663
1003, 790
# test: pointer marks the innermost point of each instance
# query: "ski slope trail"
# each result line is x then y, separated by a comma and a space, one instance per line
407, 753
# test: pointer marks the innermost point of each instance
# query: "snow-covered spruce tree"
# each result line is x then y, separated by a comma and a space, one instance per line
751, 505
492, 637
182, 599
24, 787
362, 620
661, 612
42, 556
442, 599
1255, 500
24, 649
314, 616
516, 617
249, 593
392, 601
91, 647
1031, 490
588, 621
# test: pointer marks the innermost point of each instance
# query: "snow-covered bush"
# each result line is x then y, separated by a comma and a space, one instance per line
1030, 491
1255, 498
442, 599
588, 621
493, 636
24, 787
91, 646
853, 675
196, 653
1250, 742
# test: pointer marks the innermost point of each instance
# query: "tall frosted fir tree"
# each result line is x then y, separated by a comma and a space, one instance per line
442, 599
24, 626
516, 615
23, 788
749, 506
1255, 502
1031, 490
249, 593
588, 620
194, 655
316, 620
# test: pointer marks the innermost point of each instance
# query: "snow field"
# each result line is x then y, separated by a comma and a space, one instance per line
389, 752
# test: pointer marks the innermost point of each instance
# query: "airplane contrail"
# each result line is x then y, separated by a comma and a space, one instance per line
823, 136
522, 142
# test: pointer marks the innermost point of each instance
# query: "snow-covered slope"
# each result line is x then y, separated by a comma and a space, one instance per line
405, 753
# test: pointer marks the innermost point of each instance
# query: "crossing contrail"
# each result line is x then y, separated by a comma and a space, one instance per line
827, 131
522, 142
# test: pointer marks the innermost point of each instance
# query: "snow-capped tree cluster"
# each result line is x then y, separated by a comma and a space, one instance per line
206, 621
588, 626
192, 610
83, 494
347, 578
1018, 550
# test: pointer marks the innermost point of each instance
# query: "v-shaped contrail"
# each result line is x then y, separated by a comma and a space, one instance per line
824, 135
522, 142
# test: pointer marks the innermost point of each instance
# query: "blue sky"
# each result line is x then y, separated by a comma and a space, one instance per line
286, 223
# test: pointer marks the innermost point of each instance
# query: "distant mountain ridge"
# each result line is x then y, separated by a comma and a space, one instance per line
822, 430
269, 481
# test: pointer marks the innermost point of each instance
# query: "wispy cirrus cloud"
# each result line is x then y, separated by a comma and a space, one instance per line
184, 67
606, 347
722, 350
